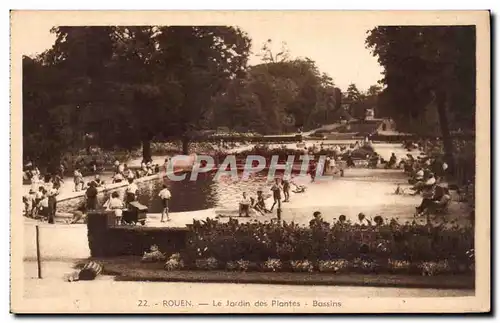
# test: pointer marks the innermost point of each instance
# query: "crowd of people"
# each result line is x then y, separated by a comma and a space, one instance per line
41, 200
123, 173
116, 203
427, 175
318, 221
41, 203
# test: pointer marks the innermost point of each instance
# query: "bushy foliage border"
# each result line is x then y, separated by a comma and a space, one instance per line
340, 247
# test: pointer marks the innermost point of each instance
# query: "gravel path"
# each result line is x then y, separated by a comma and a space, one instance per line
84, 297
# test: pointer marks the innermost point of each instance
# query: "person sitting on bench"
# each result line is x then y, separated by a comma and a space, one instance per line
392, 161
245, 205
428, 194
441, 202
79, 214
426, 181
373, 160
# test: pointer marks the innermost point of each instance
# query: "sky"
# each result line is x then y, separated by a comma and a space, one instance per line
338, 48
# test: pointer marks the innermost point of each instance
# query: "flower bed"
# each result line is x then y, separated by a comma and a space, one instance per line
339, 248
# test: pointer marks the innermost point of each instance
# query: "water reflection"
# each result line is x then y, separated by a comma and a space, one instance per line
186, 195
201, 194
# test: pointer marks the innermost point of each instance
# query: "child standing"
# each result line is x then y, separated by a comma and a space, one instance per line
286, 189
165, 196
276, 189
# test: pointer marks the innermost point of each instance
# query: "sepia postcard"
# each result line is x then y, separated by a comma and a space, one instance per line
250, 162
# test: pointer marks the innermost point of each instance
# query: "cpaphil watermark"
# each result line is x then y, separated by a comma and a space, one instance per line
175, 168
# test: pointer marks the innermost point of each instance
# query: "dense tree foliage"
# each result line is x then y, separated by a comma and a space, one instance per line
428, 67
353, 94
359, 101
126, 86
276, 97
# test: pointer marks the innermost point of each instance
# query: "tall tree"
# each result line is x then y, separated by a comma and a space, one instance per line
46, 134
356, 101
152, 80
353, 94
281, 96
269, 56
427, 66
374, 90
203, 61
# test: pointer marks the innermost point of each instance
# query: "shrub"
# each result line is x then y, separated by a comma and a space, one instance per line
242, 265
302, 266
365, 266
232, 266
432, 268
399, 266
207, 263
273, 265
153, 255
174, 262
388, 247
333, 266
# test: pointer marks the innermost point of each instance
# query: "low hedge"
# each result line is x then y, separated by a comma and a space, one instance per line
410, 244
408, 248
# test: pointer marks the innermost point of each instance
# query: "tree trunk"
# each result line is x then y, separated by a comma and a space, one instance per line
146, 150
185, 145
441, 101
53, 165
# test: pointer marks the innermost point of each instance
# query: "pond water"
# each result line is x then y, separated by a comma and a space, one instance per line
225, 193
207, 192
